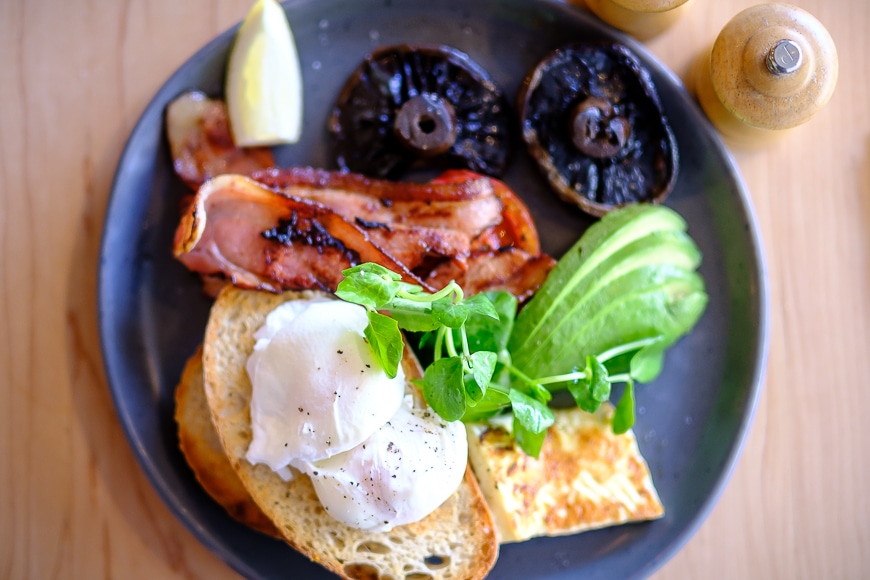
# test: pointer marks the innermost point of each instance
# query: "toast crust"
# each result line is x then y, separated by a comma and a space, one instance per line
205, 455
458, 540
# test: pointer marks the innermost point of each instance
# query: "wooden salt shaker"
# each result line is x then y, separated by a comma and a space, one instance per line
642, 19
771, 68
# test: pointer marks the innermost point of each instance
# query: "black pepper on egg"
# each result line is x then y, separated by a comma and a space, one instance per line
592, 119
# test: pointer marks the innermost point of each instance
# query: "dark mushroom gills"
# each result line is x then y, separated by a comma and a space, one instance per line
420, 106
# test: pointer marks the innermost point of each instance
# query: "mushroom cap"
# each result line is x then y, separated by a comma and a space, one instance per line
592, 119
407, 106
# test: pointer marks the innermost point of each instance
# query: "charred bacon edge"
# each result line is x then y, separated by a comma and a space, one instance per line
389, 191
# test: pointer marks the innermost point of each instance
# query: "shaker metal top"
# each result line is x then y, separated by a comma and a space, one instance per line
785, 57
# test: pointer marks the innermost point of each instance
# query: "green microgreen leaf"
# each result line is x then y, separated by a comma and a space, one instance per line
482, 305
528, 441
491, 334
419, 321
531, 413
448, 313
444, 388
590, 391
385, 340
473, 391
482, 368
540, 392
600, 385
647, 363
580, 390
493, 402
369, 285
623, 417
412, 316
410, 289
372, 268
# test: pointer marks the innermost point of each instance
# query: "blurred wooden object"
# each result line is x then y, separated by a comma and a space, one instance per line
642, 19
773, 67
74, 78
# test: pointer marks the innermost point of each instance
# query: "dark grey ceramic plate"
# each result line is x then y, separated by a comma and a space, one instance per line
692, 420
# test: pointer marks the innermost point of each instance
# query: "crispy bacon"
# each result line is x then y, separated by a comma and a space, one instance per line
299, 228
385, 191
418, 248
511, 269
201, 144
505, 256
515, 229
470, 205
259, 238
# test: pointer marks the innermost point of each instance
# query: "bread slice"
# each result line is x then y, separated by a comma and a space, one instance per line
204, 453
585, 477
457, 541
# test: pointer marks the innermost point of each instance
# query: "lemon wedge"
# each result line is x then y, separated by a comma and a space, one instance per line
264, 80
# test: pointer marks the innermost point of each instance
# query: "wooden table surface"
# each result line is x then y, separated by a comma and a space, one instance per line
75, 76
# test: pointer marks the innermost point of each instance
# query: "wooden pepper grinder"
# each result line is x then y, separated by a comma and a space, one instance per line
642, 19
771, 68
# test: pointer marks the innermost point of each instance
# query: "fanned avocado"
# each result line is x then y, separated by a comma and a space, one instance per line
631, 277
600, 241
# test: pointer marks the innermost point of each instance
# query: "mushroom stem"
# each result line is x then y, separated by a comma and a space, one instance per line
426, 124
596, 131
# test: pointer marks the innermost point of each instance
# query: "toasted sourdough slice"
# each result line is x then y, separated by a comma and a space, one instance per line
584, 478
456, 541
204, 453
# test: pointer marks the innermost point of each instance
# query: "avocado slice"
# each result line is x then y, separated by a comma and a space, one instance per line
606, 237
630, 278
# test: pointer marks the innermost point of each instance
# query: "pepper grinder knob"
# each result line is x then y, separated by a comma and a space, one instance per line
642, 19
771, 68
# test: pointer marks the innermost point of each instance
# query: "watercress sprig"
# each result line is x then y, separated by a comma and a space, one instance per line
458, 378
470, 339
616, 300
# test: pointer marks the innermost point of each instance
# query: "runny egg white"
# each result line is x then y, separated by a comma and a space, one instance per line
317, 389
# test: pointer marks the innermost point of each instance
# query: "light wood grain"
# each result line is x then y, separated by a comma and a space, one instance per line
75, 75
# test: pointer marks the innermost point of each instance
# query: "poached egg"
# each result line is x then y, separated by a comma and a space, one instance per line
322, 404
317, 388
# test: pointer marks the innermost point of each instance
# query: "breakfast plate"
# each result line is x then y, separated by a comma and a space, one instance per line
691, 421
